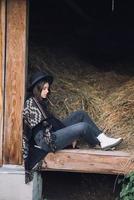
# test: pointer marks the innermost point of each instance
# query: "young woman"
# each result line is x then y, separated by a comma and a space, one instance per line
44, 133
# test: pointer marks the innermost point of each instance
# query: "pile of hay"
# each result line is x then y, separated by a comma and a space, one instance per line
107, 96
118, 113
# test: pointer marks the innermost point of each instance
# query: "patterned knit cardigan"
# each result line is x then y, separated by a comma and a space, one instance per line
33, 114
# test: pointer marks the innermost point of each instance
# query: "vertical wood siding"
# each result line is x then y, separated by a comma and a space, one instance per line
14, 81
2, 59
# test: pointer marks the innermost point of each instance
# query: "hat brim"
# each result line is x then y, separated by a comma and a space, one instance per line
47, 78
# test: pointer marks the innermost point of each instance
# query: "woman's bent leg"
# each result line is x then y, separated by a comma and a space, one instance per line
81, 116
66, 136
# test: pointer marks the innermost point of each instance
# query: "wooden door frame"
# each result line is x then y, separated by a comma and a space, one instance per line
2, 70
14, 88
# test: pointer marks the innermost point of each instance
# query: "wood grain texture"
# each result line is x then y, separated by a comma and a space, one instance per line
2, 59
89, 161
14, 81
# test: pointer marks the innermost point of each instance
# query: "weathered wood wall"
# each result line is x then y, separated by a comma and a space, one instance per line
2, 59
14, 80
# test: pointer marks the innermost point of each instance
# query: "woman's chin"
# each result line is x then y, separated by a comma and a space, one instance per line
44, 97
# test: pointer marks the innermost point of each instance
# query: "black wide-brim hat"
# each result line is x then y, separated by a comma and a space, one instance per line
40, 76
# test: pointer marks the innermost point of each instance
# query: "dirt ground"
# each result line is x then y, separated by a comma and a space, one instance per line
78, 186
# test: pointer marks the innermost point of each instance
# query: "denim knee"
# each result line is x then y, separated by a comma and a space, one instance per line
81, 112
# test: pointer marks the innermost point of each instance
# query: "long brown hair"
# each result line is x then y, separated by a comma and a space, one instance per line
38, 88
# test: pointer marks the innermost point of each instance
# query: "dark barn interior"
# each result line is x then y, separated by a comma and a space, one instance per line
91, 28
64, 33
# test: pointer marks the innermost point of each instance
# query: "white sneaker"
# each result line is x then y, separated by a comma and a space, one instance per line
107, 142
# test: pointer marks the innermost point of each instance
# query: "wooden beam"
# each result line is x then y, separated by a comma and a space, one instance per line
2, 62
15, 80
89, 161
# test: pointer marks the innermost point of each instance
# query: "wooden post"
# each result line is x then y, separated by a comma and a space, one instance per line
14, 80
37, 186
2, 62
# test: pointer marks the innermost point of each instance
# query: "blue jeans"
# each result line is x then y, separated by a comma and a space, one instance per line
78, 124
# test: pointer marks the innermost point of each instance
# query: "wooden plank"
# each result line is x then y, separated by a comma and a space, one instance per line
2, 60
89, 161
15, 79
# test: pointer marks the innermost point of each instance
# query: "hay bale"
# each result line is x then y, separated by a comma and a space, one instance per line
107, 96
118, 113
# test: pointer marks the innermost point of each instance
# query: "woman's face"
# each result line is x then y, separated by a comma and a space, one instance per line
45, 90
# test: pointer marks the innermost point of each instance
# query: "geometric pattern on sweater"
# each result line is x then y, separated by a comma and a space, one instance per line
32, 113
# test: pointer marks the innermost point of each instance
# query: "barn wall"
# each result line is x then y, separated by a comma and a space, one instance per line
14, 80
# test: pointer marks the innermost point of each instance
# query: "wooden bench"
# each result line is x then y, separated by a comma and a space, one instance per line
89, 161
85, 161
